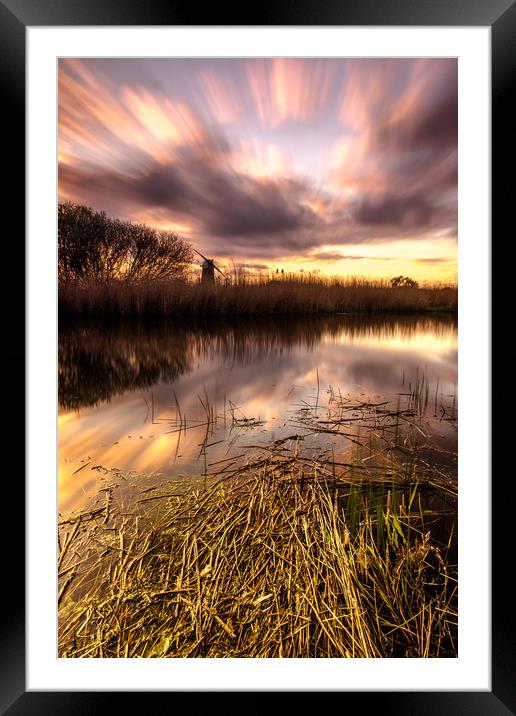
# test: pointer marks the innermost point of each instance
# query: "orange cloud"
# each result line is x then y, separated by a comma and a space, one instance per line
103, 124
260, 160
289, 89
369, 91
221, 96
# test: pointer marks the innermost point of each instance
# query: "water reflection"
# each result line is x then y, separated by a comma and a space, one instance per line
100, 361
97, 362
125, 387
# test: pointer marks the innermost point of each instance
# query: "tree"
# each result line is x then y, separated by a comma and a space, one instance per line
156, 255
90, 245
93, 246
403, 282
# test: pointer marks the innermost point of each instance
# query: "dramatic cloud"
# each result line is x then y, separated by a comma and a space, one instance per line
405, 212
400, 164
233, 207
290, 90
266, 159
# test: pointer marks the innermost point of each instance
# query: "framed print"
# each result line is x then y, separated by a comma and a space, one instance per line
258, 353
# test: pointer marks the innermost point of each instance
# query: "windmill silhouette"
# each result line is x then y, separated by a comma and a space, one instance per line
208, 270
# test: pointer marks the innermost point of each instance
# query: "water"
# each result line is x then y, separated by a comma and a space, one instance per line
163, 400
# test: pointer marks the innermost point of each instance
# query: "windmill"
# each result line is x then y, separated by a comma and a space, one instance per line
208, 270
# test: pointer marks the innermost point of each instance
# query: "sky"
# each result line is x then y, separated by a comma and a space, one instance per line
335, 166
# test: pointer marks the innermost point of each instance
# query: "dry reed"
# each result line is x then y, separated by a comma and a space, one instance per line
267, 297
283, 561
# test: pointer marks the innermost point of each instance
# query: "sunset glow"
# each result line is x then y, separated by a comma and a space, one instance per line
332, 166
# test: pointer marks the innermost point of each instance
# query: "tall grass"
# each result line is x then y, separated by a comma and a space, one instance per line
279, 563
258, 297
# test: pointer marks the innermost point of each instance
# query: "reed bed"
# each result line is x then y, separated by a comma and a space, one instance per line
280, 560
250, 298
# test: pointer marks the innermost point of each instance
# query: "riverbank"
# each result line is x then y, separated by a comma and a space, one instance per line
288, 296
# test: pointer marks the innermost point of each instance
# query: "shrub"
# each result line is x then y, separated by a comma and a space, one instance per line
404, 282
93, 246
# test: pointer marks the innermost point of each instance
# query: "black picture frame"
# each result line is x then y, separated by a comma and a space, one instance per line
15, 17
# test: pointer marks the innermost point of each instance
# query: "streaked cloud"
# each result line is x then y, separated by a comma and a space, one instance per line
337, 256
290, 90
221, 96
267, 159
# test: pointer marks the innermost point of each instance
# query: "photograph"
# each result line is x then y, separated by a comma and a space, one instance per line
257, 372
255, 326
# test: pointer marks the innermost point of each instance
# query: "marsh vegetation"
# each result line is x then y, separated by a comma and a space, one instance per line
293, 294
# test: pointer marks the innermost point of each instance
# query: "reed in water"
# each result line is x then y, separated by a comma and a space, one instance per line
278, 558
